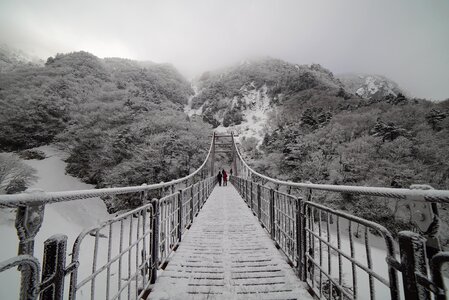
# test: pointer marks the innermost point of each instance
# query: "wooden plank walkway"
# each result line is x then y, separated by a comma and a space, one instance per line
226, 254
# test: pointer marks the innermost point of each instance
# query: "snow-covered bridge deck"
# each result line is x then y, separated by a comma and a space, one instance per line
226, 254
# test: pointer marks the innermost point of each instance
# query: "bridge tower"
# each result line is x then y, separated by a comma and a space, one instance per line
223, 143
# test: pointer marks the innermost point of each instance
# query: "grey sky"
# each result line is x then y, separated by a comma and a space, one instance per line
405, 40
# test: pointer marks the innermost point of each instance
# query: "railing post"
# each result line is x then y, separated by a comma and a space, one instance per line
28, 222
245, 187
208, 187
240, 185
212, 157
204, 193
53, 271
259, 211
412, 247
199, 197
33, 264
309, 195
251, 196
155, 242
436, 263
179, 215
247, 198
272, 233
300, 240
191, 204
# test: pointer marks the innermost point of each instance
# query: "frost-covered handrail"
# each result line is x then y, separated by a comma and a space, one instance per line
440, 196
37, 198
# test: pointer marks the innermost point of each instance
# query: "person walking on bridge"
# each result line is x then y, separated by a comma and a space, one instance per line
225, 178
219, 176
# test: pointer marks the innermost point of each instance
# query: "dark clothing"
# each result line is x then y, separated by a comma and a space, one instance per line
225, 177
219, 176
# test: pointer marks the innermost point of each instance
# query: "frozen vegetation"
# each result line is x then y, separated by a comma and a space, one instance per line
69, 218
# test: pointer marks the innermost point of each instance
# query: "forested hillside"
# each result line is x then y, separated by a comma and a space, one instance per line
317, 129
121, 121
222, 94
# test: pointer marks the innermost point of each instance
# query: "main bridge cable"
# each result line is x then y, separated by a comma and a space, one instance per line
434, 196
27, 199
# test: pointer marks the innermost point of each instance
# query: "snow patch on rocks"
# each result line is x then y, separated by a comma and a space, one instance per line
188, 110
370, 86
255, 115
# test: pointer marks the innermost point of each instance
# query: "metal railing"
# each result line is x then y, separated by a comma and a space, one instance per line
122, 246
339, 255
144, 240
319, 243
119, 257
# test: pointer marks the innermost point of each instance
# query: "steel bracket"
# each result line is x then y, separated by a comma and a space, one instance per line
422, 214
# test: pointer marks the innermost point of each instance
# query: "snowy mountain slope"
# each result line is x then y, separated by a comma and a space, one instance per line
69, 218
257, 107
11, 58
370, 86
242, 97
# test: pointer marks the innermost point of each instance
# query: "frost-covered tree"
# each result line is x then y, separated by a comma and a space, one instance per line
15, 176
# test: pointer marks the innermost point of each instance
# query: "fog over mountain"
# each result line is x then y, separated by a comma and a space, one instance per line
405, 41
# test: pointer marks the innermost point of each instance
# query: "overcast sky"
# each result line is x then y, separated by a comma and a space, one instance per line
405, 40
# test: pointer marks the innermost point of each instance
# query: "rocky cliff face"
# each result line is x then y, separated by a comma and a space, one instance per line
243, 98
374, 87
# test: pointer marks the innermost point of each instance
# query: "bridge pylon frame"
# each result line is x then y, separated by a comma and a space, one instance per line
219, 146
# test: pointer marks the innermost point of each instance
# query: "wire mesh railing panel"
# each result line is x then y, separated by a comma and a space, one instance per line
121, 247
254, 202
285, 224
133, 246
340, 256
343, 255
265, 212
248, 192
439, 281
168, 226
195, 197
117, 259
187, 208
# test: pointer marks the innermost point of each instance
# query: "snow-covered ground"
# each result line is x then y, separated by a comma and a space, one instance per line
255, 116
188, 110
228, 256
377, 253
69, 218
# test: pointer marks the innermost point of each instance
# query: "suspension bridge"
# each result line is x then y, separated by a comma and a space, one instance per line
259, 238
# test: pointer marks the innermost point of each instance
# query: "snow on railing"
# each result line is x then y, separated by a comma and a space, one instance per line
335, 251
133, 249
319, 243
429, 195
30, 213
26, 199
